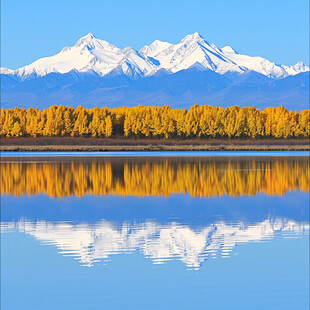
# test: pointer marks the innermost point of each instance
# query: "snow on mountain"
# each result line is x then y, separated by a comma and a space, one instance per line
155, 48
88, 54
195, 49
297, 68
90, 243
92, 54
228, 50
262, 65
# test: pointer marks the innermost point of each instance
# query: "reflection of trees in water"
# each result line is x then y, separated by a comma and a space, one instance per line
156, 176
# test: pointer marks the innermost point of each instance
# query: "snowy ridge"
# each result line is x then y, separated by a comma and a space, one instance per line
88, 54
92, 243
102, 57
193, 49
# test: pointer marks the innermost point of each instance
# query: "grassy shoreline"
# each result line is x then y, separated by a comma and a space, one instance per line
68, 144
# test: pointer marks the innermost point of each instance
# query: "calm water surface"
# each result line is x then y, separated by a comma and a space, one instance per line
155, 232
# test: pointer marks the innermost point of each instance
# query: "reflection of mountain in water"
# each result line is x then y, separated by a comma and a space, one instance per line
173, 241
59, 177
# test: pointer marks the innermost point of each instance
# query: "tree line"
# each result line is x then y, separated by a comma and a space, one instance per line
158, 122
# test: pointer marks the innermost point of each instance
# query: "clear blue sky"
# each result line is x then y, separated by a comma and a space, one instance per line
275, 29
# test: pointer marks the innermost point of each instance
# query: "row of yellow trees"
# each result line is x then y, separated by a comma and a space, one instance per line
201, 178
162, 122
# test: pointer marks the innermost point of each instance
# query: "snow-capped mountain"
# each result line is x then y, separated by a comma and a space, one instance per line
90, 54
194, 50
90, 243
94, 72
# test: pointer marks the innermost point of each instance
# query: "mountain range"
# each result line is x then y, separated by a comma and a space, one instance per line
94, 72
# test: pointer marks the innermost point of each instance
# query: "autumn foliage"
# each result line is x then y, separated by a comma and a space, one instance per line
200, 177
159, 122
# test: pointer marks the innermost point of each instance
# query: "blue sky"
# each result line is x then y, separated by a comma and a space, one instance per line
275, 29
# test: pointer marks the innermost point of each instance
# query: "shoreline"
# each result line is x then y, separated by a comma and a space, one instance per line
152, 148
71, 144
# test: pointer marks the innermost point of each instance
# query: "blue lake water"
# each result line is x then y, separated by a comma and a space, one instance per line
210, 231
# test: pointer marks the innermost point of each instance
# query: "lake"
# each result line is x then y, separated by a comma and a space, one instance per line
174, 230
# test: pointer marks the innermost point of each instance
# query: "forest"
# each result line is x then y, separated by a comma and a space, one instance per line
156, 122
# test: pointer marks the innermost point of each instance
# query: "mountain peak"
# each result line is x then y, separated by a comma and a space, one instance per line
89, 36
300, 65
193, 37
228, 49
155, 48
158, 42
86, 39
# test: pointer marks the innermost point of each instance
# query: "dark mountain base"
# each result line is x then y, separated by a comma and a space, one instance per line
180, 90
